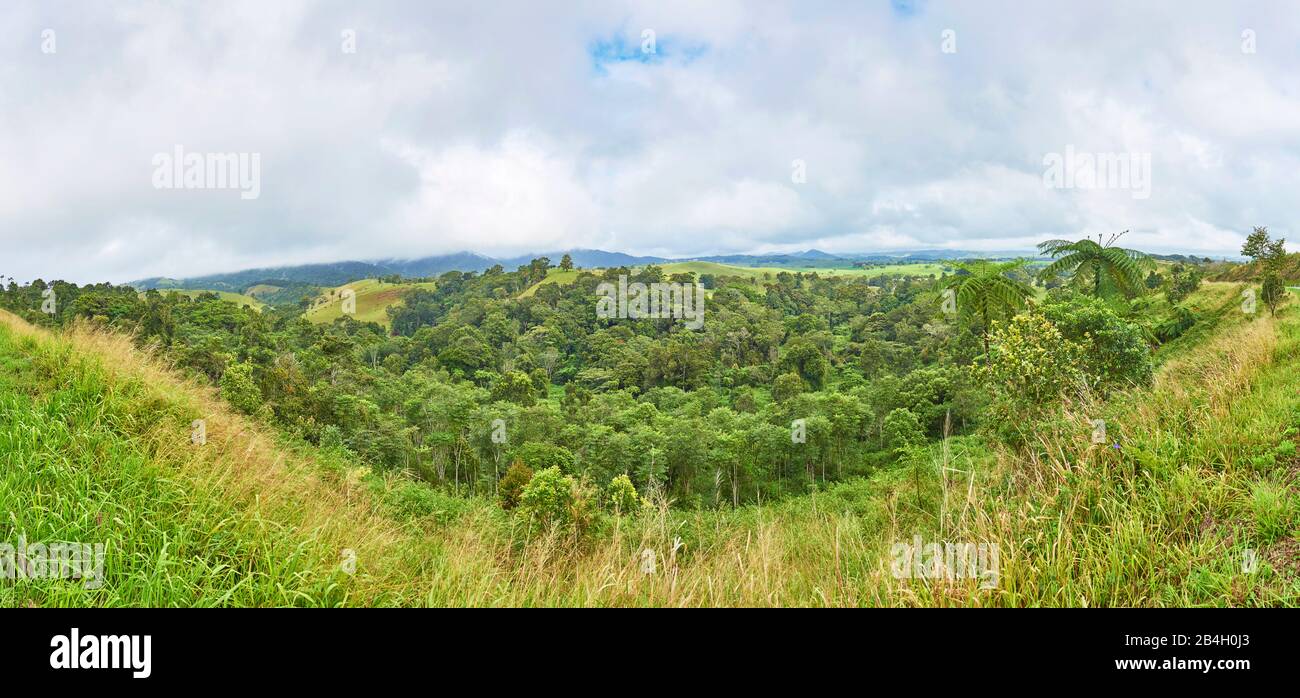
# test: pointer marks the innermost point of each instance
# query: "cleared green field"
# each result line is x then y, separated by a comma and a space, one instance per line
261, 290
372, 297
236, 298
553, 276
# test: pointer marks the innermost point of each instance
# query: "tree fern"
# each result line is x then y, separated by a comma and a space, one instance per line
1103, 270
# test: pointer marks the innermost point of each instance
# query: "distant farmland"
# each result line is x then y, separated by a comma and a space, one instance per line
755, 274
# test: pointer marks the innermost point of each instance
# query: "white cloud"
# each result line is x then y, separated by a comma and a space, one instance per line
498, 130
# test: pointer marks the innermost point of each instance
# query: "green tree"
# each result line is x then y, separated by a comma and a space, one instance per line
1104, 270
787, 386
902, 430
516, 387
987, 291
1256, 243
540, 455
1114, 352
1270, 254
1183, 281
1032, 366
806, 359
553, 498
547, 496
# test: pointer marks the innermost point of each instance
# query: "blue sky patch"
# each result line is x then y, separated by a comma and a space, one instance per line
642, 48
906, 8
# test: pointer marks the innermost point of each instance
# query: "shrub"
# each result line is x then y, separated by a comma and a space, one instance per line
516, 387
1032, 361
1174, 327
1182, 282
1031, 366
416, 500
548, 496
622, 494
1272, 292
1114, 353
238, 388
552, 498
511, 486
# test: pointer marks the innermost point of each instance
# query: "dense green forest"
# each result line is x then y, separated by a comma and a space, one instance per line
502, 443
790, 383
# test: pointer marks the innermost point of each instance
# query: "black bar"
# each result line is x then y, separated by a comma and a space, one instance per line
922, 647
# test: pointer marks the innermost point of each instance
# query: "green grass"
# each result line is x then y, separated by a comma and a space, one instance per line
74, 468
373, 298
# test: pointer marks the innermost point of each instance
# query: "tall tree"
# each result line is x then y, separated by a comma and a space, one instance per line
1104, 270
1269, 254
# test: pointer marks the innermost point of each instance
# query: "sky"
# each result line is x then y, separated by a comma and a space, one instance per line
391, 129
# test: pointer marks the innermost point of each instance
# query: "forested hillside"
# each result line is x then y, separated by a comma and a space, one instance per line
769, 457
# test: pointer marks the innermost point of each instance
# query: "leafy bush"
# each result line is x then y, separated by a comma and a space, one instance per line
516, 387
1174, 327
417, 500
552, 498
787, 385
511, 486
1031, 365
238, 388
1183, 281
548, 496
622, 494
1113, 352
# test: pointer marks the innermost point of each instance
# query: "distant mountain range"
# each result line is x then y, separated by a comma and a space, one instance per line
339, 273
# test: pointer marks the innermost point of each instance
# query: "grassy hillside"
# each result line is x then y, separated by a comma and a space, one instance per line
1252, 271
553, 276
95, 444
262, 290
373, 297
96, 448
